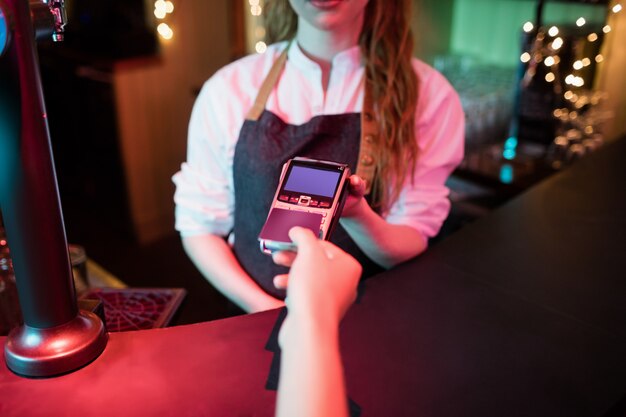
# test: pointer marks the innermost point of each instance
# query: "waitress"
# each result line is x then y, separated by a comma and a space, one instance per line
339, 84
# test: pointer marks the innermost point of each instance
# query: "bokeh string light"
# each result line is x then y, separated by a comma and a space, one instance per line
258, 33
576, 102
162, 10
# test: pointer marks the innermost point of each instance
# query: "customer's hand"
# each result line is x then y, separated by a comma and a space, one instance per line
321, 285
322, 280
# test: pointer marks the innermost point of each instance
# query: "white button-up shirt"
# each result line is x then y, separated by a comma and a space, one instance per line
204, 185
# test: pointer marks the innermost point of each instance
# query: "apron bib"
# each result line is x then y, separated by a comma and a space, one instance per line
265, 143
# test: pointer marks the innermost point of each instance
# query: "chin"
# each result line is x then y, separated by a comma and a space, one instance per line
329, 15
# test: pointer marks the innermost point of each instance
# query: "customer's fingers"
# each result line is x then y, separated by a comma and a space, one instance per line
281, 281
283, 257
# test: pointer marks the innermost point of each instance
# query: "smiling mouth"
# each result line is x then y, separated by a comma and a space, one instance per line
325, 4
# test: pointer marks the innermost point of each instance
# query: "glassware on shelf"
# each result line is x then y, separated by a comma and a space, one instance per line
10, 313
579, 129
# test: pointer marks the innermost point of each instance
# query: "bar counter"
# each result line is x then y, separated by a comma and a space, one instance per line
521, 313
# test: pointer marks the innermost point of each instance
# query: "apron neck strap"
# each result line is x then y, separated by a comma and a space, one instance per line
368, 151
268, 85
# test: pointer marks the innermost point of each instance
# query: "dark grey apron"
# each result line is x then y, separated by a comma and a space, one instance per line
264, 145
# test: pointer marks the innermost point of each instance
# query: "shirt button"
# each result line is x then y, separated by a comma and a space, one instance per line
367, 160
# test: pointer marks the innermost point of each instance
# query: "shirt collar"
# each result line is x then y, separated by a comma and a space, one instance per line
348, 59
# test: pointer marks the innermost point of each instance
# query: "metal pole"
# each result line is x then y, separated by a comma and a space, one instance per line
56, 337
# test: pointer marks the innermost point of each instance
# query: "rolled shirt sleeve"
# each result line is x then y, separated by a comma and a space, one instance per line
204, 197
440, 128
204, 185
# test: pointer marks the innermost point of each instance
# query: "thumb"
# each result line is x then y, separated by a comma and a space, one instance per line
303, 238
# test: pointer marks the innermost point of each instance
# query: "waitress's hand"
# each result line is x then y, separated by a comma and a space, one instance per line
354, 201
265, 303
352, 207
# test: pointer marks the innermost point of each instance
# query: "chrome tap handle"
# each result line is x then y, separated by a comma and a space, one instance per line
49, 19
57, 8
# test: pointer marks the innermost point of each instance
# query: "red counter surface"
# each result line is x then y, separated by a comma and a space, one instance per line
194, 370
424, 340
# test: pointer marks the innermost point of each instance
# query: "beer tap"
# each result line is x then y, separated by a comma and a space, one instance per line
56, 337
57, 8
49, 19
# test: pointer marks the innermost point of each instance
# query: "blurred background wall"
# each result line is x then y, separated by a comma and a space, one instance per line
127, 121
154, 100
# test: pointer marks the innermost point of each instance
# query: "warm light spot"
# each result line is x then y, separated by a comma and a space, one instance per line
260, 47
606, 29
525, 57
549, 61
592, 37
3, 242
578, 65
165, 31
256, 10
569, 79
253, 2
568, 95
580, 21
578, 81
528, 26
573, 115
557, 43
586, 62
617, 8
162, 8
564, 114
589, 130
550, 77
561, 140
599, 58
553, 31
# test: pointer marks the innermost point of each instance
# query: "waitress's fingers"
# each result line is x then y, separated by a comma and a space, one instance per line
283, 257
357, 186
281, 281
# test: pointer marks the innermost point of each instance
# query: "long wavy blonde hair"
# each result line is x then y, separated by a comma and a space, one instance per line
386, 44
